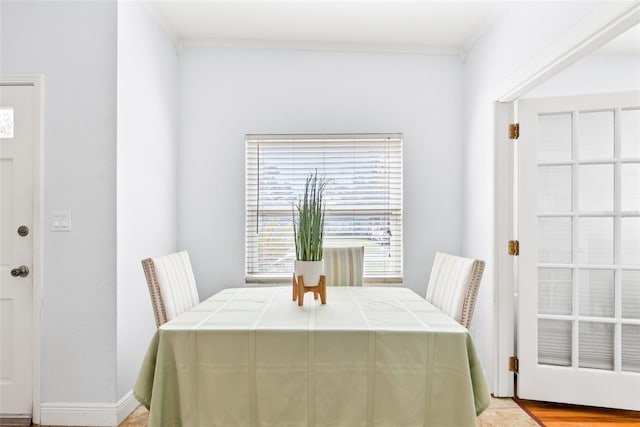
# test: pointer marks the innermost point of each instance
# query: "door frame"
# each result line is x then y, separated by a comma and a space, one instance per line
604, 24
37, 82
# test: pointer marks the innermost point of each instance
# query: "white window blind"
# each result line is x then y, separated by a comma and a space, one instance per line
363, 199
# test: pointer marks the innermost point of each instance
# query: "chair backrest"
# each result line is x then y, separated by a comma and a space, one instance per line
171, 285
453, 286
343, 266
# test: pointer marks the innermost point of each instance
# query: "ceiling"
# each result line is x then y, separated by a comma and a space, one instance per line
441, 27
449, 27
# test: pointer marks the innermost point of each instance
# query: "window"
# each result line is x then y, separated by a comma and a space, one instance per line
363, 199
6, 122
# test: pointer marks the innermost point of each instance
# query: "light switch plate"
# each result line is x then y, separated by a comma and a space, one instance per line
61, 221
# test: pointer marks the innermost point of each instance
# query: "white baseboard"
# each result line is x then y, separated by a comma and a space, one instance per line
88, 414
126, 406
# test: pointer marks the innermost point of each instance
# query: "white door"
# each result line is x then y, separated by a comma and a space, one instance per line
17, 115
579, 264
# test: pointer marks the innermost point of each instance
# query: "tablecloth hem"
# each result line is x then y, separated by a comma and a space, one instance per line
482, 408
142, 401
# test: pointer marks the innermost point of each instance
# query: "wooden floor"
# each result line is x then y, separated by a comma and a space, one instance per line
561, 415
505, 413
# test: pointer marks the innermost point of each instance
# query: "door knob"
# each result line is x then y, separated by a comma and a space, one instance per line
22, 271
23, 230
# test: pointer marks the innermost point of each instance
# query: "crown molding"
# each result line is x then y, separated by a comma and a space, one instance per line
482, 29
195, 42
162, 23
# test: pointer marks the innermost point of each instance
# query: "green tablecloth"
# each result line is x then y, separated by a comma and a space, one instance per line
371, 356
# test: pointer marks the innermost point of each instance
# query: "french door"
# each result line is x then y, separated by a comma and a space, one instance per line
579, 263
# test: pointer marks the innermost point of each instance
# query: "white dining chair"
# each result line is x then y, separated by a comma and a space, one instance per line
453, 285
344, 266
172, 286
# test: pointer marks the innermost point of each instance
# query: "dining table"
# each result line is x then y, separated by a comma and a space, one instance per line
371, 356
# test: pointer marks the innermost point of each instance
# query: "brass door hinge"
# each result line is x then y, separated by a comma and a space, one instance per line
514, 131
514, 247
513, 364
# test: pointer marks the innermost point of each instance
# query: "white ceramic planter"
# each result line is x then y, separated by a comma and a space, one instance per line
310, 271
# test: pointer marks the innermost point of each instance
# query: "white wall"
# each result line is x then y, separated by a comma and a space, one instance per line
596, 73
146, 177
74, 45
521, 32
226, 93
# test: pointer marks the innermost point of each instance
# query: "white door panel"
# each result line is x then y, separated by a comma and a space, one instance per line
16, 209
579, 264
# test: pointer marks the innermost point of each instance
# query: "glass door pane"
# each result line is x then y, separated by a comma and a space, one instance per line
554, 290
555, 137
554, 240
596, 293
631, 348
554, 189
595, 135
630, 133
596, 345
554, 342
596, 188
595, 240
630, 294
630, 186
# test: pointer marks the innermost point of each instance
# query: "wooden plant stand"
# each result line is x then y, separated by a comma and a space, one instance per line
299, 289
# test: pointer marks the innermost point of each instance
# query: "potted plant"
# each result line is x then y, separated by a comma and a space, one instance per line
308, 230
